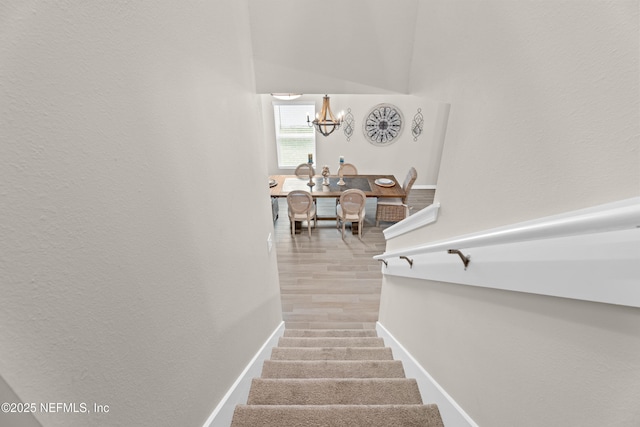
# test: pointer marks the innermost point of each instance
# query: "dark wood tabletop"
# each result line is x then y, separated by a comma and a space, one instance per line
366, 183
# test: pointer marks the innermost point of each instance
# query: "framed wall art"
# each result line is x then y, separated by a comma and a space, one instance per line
383, 124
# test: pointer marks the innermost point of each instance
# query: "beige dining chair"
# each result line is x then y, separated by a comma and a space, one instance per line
395, 209
351, 209
304, 170
349, 169
346, 169
301, 208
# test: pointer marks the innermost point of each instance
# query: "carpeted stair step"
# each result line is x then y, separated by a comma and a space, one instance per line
334, 378
330, 333
330, 342
387, 391
331, 353
337, 415
332, 369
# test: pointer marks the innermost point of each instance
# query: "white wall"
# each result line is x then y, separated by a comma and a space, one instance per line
125, 277
544, 120
396, 159
359, 46
13, 417
544, 107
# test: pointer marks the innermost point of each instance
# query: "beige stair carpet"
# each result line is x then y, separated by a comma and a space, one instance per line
332, 369
331, 353
329, 391
334, 378
324, 333
330, 342
337, 416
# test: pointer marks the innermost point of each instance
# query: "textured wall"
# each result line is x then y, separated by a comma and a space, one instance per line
544, 107
544, 119
515, 359
125, 280
359, 46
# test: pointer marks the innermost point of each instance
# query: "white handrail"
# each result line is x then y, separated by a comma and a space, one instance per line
620, 215
419, 219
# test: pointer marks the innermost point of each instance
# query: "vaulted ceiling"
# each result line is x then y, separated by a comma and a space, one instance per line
333, 46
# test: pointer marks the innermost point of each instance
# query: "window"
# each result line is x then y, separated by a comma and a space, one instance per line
294, 138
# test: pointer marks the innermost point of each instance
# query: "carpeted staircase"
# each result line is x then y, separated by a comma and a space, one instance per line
334, 378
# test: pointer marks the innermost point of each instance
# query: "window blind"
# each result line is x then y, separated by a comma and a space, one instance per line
294, 138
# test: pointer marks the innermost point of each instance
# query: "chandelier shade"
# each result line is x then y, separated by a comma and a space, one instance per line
325, 122
286, 96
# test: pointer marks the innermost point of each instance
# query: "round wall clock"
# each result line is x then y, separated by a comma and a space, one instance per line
383, 124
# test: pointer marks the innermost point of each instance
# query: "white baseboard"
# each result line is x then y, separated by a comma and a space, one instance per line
239, 391
424, 186
452, 414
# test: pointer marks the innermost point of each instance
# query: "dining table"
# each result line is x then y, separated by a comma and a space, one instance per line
373, 186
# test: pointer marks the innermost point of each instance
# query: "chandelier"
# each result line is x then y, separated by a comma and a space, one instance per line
326, 122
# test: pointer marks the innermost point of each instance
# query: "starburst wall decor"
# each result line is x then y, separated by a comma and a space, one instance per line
383, 124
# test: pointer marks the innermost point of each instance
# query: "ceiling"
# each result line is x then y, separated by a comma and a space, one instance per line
334, 46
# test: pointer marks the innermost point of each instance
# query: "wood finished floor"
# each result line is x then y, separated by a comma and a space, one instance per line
327, 282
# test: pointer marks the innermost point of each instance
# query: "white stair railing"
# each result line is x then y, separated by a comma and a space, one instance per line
591, 254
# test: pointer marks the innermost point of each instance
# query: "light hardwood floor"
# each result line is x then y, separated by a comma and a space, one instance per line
327, 282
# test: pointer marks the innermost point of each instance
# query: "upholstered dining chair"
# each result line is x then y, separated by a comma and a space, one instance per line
304, 170
351, 209
395, 209
349, 169
346, 169
301, 208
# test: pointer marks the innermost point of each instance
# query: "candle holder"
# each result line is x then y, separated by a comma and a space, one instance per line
312, 172
341, 175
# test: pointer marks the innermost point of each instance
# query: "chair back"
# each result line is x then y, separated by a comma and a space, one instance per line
304, 170
349, 169
352, 201
299, 202
412, 175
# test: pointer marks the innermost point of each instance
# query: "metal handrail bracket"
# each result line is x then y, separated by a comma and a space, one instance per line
409, 260
465, 258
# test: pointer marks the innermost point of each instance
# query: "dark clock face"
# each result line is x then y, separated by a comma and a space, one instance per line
383, 124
